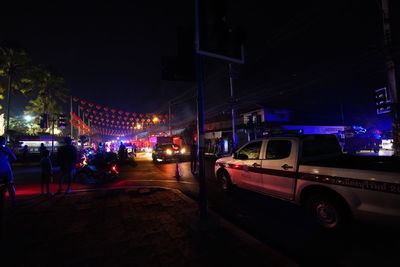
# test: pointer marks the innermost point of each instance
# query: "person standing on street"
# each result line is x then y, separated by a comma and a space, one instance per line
46, 168
42, 148
6, 175
25, 152
122, 153
193, 157
100, 148
67, 157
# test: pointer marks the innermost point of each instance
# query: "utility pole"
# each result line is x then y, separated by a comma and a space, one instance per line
169, 118
234, 135
8, 102
391, 72
52, 135
200, 118
70, 115
90, 133
79, 116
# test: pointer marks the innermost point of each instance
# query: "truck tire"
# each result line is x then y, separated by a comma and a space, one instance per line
328, 210
224, 181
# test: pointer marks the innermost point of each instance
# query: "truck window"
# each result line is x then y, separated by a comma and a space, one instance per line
320, 145
278, 149
252, 150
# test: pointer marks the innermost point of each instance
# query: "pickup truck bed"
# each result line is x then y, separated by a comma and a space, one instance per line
372, 163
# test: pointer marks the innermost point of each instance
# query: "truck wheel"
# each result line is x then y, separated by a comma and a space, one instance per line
225, 182
376, 150
328, 210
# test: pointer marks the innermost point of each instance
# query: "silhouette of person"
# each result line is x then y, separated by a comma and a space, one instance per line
122, 153
67, 158
193, 157
100, 147
42, 148
25, 152
6, 176
46, 171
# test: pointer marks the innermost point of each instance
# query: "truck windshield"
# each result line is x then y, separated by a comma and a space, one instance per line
170, 146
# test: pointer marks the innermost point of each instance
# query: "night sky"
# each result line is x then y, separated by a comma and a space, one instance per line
314, 57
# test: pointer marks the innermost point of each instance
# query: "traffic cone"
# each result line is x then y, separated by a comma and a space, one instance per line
177, 171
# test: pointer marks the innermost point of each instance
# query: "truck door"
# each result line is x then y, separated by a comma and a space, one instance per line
248, 165
279, 168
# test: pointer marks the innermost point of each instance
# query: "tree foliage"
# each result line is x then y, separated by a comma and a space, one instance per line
45, 87
50, 91
15, 64
19, 126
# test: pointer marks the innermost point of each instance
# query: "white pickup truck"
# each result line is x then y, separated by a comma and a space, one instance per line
312, 171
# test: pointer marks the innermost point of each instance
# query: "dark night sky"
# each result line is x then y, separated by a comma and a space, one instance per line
110, 54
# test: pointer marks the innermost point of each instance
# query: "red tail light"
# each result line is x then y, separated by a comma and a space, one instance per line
114, 169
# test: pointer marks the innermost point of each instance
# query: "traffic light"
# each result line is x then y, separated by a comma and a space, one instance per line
44, 121
218, 37
61, 121
382, 101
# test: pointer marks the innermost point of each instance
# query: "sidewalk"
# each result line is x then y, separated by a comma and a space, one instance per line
124, 227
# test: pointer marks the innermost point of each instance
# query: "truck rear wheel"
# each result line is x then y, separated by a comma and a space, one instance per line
329, 212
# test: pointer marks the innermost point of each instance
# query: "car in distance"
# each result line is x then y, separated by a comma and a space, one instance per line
166, 152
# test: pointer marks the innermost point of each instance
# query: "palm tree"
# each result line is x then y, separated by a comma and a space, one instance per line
50, 90
14, 66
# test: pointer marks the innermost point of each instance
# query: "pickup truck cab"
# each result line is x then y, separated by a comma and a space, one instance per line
166, 152
312, 171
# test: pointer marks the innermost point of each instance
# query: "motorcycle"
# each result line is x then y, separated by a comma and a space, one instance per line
96, 168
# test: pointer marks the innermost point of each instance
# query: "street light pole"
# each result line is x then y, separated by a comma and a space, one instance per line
169, 118
234, 136
200, 118
52, 136
90, 133
70, 114
79, 116
8, 102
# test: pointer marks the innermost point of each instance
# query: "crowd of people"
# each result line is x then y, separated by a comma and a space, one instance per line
66, 158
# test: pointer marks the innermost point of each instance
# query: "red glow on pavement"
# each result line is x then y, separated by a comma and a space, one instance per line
22, 190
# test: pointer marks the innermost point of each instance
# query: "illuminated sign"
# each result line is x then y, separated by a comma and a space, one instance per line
382, 101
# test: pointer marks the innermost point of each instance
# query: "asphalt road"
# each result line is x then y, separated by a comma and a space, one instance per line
279, 224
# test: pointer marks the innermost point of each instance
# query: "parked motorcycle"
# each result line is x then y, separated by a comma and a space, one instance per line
96, 168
